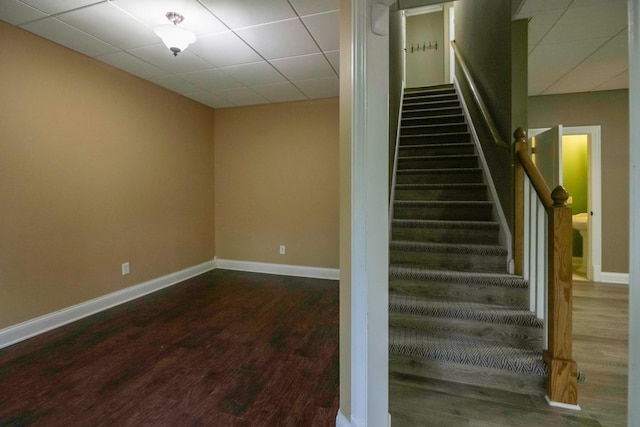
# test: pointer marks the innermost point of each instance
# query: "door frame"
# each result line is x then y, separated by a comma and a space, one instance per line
594, 185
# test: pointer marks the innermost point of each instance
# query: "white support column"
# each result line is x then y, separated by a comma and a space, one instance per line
369, 220
634, 204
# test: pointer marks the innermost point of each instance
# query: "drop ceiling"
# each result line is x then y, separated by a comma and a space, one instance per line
247, 52
262, 51
576, 45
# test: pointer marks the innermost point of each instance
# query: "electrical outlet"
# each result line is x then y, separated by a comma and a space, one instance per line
283, 250
125, 268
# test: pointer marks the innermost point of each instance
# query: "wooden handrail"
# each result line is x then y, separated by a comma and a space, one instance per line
484, 111
563, 370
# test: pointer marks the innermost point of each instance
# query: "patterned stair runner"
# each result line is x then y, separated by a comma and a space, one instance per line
454, 311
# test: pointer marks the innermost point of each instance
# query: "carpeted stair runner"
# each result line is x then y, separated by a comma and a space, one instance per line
455, 313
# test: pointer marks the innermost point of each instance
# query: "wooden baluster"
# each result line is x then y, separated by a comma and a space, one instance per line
562, 386
520, 143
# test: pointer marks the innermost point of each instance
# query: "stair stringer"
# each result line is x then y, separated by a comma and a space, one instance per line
505, 236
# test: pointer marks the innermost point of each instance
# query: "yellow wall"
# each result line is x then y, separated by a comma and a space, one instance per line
277, 183
97, 167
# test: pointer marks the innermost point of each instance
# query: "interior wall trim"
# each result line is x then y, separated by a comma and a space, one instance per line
47, 322
282, 269
616, 278
342, 421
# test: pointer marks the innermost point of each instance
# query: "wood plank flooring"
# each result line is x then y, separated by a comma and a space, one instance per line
222, 349
600, 347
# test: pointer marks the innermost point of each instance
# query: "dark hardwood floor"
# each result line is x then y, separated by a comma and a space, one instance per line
222, 349
600, 347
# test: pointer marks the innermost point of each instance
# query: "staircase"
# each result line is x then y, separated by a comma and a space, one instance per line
455, 314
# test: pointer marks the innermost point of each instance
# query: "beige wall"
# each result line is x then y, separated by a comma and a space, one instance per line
97, 167
277, 183
425, 67
610, 109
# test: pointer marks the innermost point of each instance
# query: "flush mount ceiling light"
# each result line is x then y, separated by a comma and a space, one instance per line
175, 38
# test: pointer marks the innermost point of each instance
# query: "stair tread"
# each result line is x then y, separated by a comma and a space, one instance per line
431, 135
463, 310
478, 186
413, 272
438, 170
440, 157
453, 248
468, 351
431, 223
427, 203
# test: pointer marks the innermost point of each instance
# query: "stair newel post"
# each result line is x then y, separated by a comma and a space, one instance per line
520, 143
563, 378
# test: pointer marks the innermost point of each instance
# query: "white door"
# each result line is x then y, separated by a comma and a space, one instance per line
547, 155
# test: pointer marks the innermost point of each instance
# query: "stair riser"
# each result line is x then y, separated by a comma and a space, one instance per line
447, 261
430, 97
509, 297
446, 235
490, 378
436, 112
452, 177
442, 194
444, 213
438, 162
435, 139
436, 150
433, 120
427, 105
433, 129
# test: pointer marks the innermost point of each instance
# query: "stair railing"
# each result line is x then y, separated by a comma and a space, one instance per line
484, 111
543, 248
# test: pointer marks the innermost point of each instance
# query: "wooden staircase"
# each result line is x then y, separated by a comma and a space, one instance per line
455, 313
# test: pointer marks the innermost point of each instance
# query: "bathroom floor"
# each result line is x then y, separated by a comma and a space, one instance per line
576, 274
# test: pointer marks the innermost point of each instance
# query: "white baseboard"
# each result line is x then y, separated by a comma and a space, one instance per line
618, 278
342, 421
282, 269
39, 325
562, 405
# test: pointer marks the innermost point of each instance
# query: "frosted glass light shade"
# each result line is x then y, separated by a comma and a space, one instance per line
175, 38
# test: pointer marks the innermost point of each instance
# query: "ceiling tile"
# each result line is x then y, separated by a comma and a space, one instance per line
308, 7
580, 23
322, 88
244, 13
548, 63
153, 13
209, 99
111, 25
66, 35
334, 59
16, 13
531, 7
175, 84
57, 6
223, 49
132, 64
162, 57
325, 29
304, 67
279, 92
541, 23
211, 80
621, 81
242, 96
254, 74
280, 39
606, 63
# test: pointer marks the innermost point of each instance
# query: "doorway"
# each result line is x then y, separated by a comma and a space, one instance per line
578, 155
